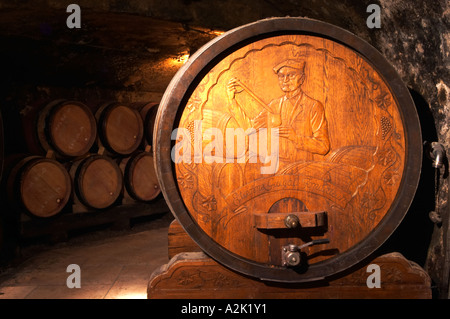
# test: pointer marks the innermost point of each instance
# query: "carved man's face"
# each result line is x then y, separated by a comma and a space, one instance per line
289, 79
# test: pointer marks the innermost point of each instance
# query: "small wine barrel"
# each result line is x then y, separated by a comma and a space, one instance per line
67, 127
120, 128
39, 186
324, 156
148, 112
140, 177
97, 181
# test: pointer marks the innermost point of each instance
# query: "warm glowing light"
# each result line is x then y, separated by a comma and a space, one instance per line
182, 58
177, 61
133, 291
217, 32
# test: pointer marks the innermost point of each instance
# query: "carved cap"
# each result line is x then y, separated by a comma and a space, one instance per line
295, 64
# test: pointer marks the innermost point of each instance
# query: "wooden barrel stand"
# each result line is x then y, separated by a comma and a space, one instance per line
194, 275
190, 273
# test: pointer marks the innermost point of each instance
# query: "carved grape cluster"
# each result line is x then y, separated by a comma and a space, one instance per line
386, 126
191, 129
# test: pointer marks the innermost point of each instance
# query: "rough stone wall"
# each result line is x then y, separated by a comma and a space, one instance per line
127, 57
415, 38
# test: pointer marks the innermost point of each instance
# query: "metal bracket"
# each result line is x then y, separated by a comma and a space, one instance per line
437, 154
291, 254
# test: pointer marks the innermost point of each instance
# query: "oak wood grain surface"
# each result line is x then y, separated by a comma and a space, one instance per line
341, 146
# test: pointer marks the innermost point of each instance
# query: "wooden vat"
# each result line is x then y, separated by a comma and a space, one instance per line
321, 193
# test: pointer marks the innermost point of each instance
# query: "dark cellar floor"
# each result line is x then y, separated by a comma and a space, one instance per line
113, 264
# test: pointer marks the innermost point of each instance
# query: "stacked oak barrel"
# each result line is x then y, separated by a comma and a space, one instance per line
82, 158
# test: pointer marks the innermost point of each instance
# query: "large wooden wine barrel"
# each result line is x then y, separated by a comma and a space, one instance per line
39, 186
140, 177
120, 128
323, 156
97, 181
66, 127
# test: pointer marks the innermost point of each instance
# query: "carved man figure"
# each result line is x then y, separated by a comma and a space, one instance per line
301, 120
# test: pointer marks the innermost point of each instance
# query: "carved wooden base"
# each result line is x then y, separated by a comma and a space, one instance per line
194, 275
